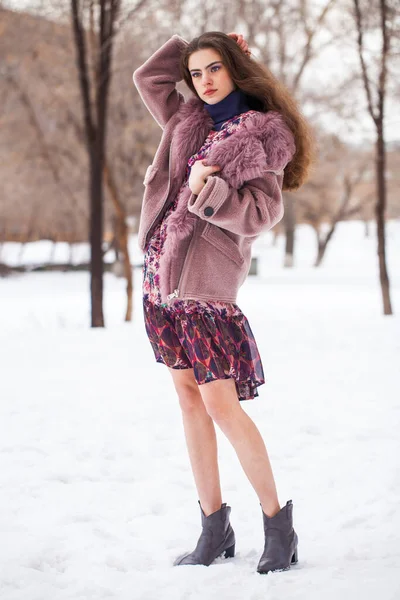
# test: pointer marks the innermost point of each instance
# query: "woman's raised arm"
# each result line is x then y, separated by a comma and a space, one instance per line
156, 80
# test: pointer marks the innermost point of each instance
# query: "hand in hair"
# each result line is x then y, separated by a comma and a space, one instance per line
237, 37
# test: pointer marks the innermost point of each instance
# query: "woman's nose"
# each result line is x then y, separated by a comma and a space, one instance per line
206, 78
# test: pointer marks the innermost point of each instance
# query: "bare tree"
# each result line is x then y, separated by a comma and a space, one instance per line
103, 15
339, 190
36, 81
344, 211
45, 151
290, 30
377, 112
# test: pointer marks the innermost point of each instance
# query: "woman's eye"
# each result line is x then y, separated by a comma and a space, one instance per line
216, 67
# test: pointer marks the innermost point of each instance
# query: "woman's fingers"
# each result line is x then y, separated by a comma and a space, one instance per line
210, 168
241, 42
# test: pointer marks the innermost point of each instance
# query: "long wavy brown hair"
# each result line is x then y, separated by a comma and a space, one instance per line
264, 92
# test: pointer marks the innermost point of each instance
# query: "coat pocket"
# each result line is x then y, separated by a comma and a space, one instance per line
150, 172
222, 242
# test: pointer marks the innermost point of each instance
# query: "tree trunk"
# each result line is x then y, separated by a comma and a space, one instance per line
123, 243
121, 233
322, 245
96, 236
290, 224
378, 116
323, 242
380, 218
95, 103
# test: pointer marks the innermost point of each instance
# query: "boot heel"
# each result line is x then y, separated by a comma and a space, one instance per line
294, 558
230, 552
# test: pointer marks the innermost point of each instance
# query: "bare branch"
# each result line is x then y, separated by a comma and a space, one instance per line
360, 43
310, 33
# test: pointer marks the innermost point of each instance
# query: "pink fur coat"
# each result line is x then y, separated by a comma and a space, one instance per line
208, 249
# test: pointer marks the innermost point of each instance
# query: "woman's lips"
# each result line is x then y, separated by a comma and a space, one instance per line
208, 93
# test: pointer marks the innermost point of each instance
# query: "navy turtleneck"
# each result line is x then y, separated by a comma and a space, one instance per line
233, 104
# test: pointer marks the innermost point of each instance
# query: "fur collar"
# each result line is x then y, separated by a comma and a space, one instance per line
264, 143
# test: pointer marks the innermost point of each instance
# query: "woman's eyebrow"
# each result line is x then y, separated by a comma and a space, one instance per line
213, 63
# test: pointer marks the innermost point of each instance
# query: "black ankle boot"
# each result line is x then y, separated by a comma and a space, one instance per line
217, 537
280, 548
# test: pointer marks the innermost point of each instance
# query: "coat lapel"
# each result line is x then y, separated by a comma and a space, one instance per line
190, 132
262, 144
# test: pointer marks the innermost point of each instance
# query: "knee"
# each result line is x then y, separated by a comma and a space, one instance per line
220, 400
220, 412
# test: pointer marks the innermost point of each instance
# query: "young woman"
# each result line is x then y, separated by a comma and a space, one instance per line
214, 185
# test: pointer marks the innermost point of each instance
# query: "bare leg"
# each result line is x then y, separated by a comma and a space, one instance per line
222, 404
201, 440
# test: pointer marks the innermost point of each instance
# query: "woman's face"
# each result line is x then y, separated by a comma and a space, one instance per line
209, 73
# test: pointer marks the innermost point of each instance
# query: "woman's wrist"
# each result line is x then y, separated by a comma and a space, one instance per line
197, 189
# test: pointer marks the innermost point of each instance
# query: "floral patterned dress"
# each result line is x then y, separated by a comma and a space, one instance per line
213, 338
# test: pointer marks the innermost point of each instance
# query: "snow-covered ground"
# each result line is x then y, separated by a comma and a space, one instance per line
96, 493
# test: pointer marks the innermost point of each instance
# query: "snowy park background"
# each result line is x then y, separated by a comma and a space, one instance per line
97, 497
96, 493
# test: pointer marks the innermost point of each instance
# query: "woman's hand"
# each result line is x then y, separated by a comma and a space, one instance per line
239, 39
198, 174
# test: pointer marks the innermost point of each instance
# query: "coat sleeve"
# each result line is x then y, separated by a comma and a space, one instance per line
156, 80
255, 207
